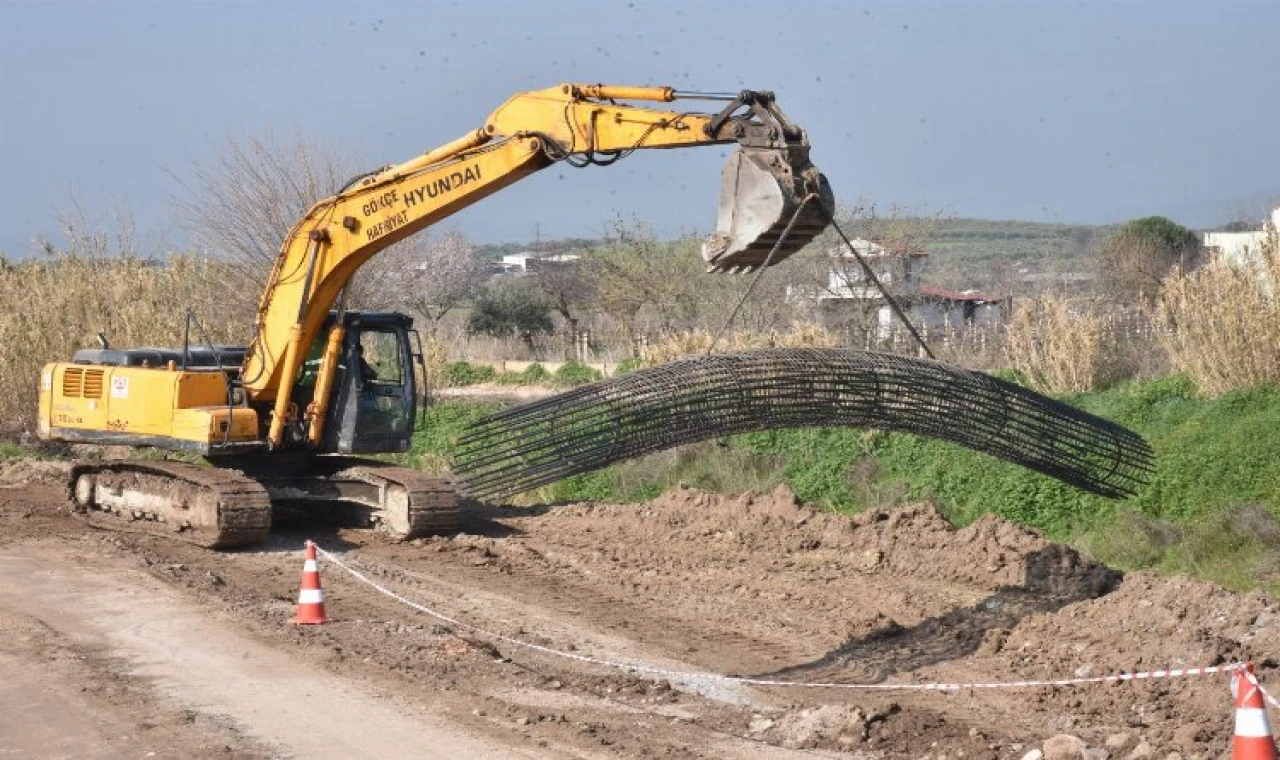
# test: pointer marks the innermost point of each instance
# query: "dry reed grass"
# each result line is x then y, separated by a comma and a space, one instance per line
1059, 345
55, 305
1222, 324
697, 342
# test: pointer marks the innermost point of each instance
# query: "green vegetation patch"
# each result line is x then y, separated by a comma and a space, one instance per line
11, 450
461, 374
572, 374
436, 440
569, 375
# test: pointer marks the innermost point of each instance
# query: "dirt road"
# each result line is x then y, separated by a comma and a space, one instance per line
162, 647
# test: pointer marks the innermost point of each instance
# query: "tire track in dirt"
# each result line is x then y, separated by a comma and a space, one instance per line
193, 660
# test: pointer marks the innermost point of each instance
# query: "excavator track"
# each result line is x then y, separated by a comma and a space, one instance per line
364, 493
207, 506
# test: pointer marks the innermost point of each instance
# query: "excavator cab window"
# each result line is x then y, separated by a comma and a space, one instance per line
376, 395
381, 357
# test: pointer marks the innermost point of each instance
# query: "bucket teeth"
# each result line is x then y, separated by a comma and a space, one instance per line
761, 191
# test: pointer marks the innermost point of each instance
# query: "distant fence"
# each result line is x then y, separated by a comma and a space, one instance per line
520, 365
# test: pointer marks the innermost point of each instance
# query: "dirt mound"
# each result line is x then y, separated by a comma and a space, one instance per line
914, 540
19, 473
1147, 623
900, 594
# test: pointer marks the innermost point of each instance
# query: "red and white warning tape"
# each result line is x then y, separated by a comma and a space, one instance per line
679, 675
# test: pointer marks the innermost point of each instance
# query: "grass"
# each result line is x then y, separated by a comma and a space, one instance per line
1055, 348
1221, 321
10, 450
436, 440
1237, 547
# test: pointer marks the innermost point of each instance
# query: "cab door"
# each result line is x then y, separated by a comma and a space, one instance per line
376, 396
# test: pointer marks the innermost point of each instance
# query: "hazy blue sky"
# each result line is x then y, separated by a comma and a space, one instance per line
1080, 111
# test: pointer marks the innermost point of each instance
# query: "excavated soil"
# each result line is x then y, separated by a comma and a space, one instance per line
751, 585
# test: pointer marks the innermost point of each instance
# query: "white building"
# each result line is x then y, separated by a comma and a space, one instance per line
518, 262
525, 262
896, 266
1237, 247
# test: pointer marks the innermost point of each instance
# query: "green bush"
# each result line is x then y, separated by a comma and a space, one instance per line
460, 374
573, 374
629, 365
534, 374
435, 442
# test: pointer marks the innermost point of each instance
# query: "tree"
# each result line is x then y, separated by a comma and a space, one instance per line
1131, 264
647, 285
425, 273
513, 307
567, 289
565, 284
639, 272
240, 205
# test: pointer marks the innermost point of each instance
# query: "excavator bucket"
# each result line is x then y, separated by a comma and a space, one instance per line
764, 193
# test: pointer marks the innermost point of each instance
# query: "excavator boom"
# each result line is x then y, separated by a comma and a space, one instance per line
770, 187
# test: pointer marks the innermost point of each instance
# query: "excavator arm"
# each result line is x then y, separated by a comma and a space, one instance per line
773, 202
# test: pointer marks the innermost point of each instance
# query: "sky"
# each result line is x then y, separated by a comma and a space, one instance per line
1082, 112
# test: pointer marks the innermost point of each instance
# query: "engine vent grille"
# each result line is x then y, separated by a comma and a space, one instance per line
82, 383
73, 382
93, 383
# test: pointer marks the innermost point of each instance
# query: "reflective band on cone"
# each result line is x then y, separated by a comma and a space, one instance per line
310, 609
1252, 739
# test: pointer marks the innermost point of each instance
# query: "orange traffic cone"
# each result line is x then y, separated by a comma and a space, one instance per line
1252, 740
310, 609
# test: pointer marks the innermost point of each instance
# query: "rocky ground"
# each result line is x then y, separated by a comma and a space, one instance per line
751, 585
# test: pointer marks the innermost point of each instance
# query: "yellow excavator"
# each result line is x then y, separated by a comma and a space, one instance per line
280, 419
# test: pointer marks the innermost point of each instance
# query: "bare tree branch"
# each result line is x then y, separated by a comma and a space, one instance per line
427, 274
240, 205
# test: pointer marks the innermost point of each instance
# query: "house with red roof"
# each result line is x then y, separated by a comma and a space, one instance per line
852, 296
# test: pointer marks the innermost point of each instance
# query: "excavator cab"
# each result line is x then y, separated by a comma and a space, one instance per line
376, 396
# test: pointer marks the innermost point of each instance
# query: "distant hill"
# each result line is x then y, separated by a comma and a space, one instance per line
979, 253
963, 253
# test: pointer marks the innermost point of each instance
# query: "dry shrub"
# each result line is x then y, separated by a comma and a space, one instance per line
1057, 344
435, 359
1221, 322
55, 305
697, 342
